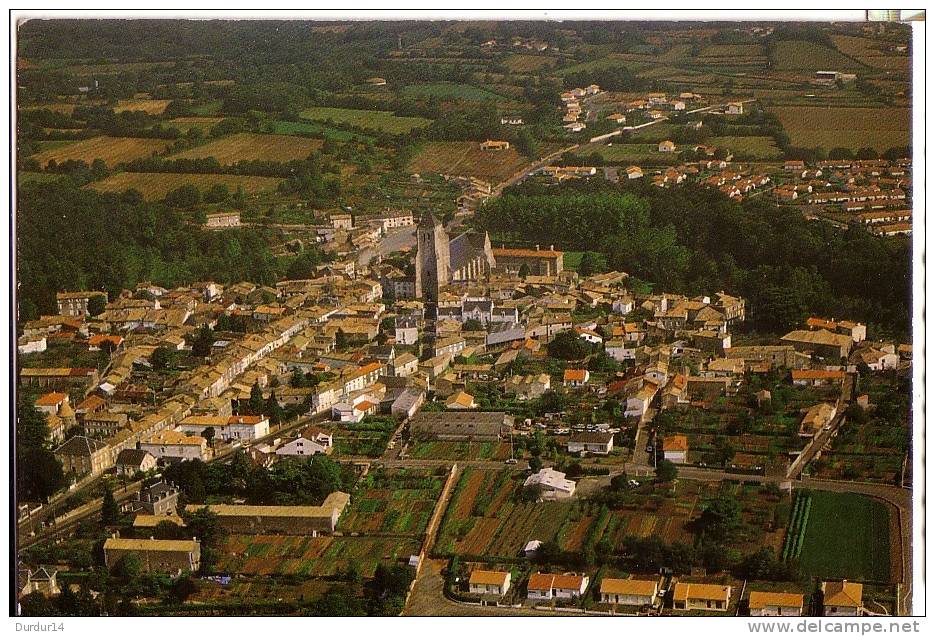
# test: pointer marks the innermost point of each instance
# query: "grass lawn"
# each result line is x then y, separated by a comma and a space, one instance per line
448, 90
381, 120
847, 536
757, 147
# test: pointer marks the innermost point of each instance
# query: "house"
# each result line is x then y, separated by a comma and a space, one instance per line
511, 120
617, 118
75, 304
735, 108
235, 427
597, 443
50, 403
489, 582
82, 455
43, 581
666, 146
222, 220
157, 499
342, 221
311, 441
34, 344
816, 418
775, 604
165, 556
629, 591
675, 449
634, 172
576, 377
174, 445
551, 484
821, 342
406, 331
461, 400
701, 596
542, 587
495, 145
638, 402
842, 598
131, 461
576, 126
817, 377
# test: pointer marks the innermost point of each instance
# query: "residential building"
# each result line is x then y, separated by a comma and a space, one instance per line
75, 304
701, 596
675, 448
489, 582
82, 455
576, 377
816, 418
551, 484
595, 443
775, 604
131, 461
629, 591
842, 598
174, 445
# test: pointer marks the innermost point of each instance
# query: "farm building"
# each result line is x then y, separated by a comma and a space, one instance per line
222, 220
167, 556
460, 426
495, 145
290, 520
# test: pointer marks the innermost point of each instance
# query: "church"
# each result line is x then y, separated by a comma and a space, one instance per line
467, 257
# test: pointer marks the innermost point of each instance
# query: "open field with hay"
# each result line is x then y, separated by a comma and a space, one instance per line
253, 147
112, 150
154, 186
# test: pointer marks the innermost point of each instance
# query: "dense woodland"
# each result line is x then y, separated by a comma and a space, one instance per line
694, 241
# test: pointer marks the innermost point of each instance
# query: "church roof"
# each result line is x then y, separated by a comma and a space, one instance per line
465, 247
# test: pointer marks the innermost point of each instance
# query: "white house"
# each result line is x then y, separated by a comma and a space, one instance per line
620, 350
629, 591
235, 427
638, 403
170, 444
543, 587
623, 305
489, 582
675, 449
597, 443
842, 598
552, 484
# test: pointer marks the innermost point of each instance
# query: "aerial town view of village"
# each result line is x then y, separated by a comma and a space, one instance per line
463, 318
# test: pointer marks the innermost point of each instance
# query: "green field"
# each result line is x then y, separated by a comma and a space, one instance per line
632, 154
756, 147
847, 536
281, 127
800, 55
830, 127
381, 120
447, 90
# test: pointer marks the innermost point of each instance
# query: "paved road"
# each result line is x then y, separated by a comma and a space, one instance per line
823, 436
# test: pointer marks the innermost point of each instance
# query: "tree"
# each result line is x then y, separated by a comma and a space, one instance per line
209, 434
205, 525
526, 143
204, 340
472, 325
256, 403
273, 410
110, 512
96, 305
161, 358
186, 196
592, 263
39, 473
720, 519
129, 566
666, 471
568, 346
524, 270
